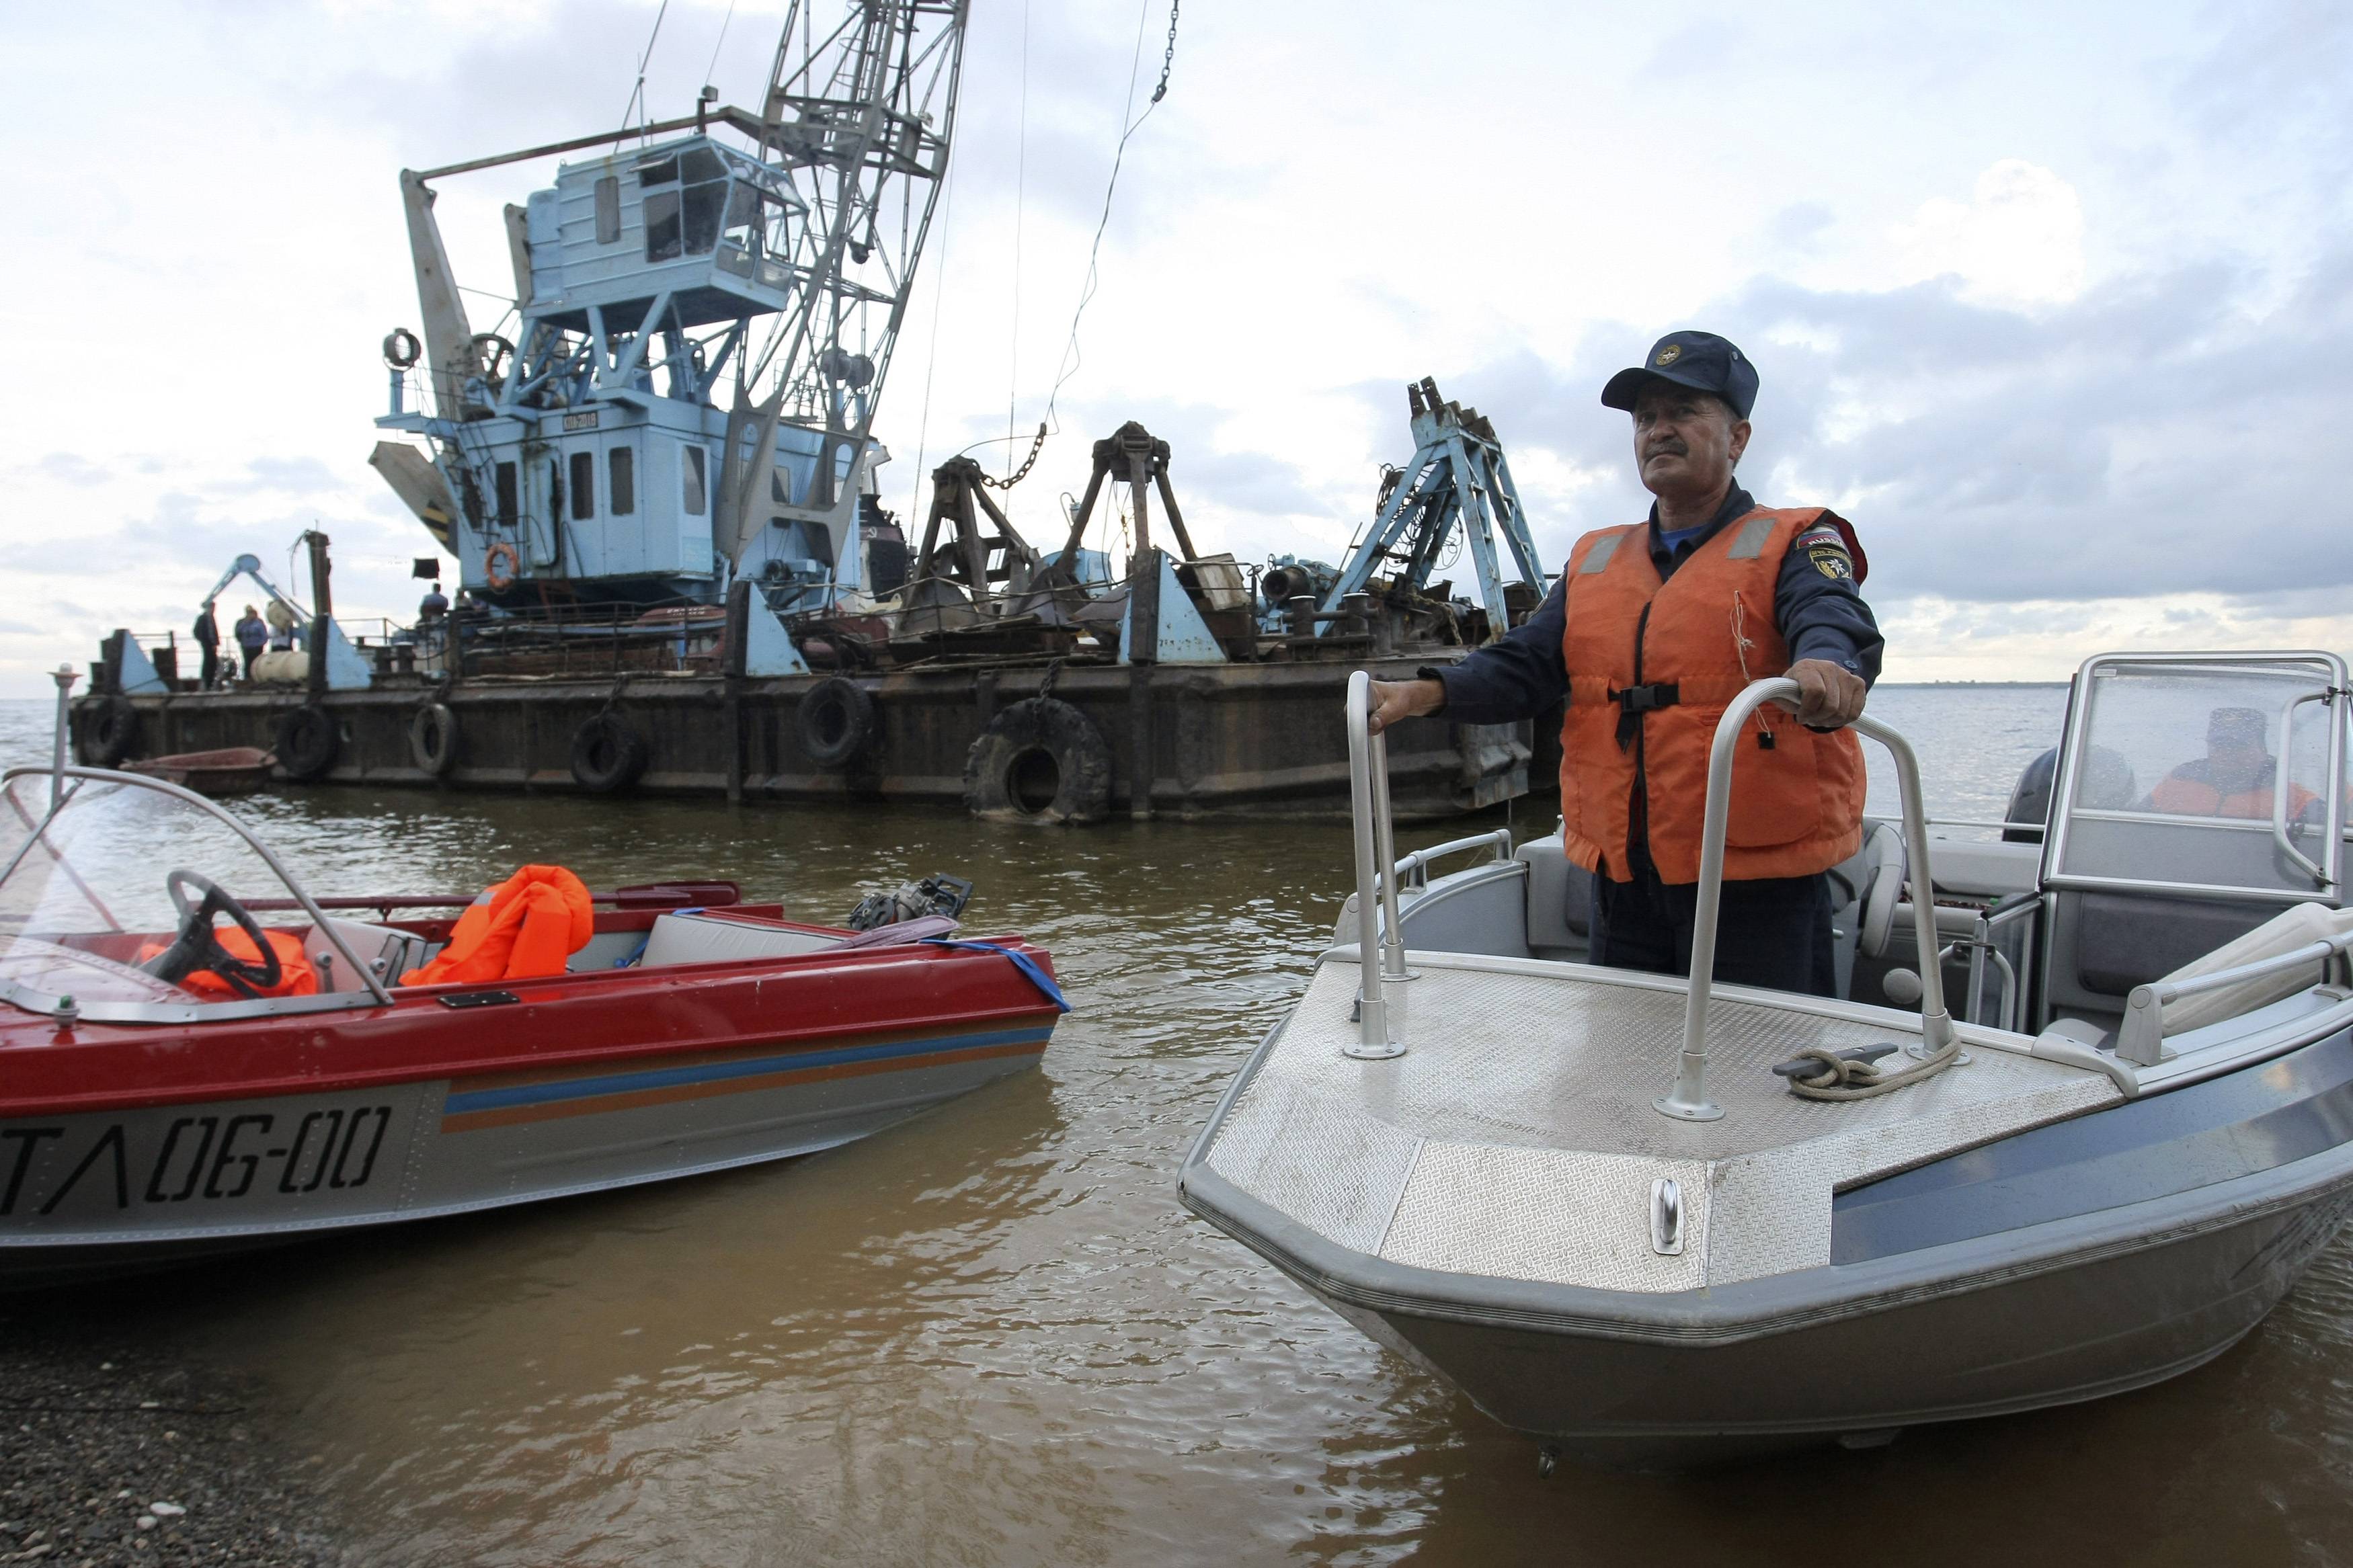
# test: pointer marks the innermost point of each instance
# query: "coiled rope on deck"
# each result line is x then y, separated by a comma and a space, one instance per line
1842, 1079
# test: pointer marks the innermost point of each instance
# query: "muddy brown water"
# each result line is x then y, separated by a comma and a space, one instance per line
991, 1336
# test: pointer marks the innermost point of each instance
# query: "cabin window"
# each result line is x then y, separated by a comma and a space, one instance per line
661, 172
691, 473
504, 484
706, 197
704, 206
621, 480
662, 226
583, 486
746, 224
608, 209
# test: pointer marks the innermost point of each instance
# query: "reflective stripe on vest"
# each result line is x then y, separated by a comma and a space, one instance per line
1797, 795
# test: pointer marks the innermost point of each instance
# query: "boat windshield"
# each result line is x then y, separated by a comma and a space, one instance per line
133, 902
2207, 773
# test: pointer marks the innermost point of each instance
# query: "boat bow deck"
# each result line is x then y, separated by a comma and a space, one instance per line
1515, 1139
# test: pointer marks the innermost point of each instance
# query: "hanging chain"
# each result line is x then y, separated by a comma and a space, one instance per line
1167, 64
1021, 473
1167, 60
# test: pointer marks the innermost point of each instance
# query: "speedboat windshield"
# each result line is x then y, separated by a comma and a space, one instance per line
123, 895
2205, 774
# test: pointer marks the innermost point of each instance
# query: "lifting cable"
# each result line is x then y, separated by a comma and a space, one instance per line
1070, 361
1021, 190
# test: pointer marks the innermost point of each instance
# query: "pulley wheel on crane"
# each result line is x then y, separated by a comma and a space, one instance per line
401, 349
494, 355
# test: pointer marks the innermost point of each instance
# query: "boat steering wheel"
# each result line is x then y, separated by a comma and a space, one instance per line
197, 947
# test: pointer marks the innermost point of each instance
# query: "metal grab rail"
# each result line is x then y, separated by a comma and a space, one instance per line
1416, 862
1687, 1100
2282, 781
1375, 844
2140, 1037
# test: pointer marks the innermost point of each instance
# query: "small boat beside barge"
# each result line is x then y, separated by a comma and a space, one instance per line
158, 1102
2121, 1156
235, 770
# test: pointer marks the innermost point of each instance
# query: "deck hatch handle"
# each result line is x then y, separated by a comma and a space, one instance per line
1667, 1218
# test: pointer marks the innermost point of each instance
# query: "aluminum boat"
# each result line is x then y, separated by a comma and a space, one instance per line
146, 1118
1649, 1220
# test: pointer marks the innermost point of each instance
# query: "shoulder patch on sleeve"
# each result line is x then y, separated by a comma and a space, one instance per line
1843, 537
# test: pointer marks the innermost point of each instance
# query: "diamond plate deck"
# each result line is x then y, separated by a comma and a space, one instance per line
1515, 1138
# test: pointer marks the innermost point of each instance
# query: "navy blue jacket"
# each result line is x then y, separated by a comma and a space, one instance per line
1521, 676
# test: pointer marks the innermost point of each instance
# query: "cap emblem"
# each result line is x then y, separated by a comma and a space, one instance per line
1669, 354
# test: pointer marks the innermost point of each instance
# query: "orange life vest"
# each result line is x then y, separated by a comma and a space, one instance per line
295, 975
2192, 796
1707, 631
527, 925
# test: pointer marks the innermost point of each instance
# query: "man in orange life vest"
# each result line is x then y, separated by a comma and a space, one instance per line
2235, 777
1650, 632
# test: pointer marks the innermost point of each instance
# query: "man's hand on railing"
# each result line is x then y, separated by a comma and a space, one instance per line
1829, 696
1395, 700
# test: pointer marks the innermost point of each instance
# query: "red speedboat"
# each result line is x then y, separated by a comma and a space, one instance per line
161, 1098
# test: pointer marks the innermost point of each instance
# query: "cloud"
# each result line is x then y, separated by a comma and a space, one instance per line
70, 469
2163, 432
2019, 238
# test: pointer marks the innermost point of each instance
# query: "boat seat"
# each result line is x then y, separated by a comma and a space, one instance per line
605, 950
2299, 925
387, 952
710, 937
2102, 944
1559, 899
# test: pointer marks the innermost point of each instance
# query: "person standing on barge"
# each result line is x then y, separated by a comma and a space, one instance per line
1649, 633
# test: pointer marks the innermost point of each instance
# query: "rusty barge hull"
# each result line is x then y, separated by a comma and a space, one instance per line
1219, 741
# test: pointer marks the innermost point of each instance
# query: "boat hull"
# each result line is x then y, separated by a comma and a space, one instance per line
2073, 1261
567, 1086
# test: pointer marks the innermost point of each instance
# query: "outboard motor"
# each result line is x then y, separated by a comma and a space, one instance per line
936, 895
2030, 800
2109, 784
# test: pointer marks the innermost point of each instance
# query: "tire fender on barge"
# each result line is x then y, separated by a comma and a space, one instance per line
836, 723
309, 740
110, 733
1041, 762
433, 734
608, 755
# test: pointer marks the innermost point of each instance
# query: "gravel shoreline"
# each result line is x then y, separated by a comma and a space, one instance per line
114, 1454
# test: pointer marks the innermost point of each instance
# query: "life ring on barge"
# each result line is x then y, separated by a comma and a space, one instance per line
1040, 762
109, 732
433, 739
607, 754
837, 723
498, 581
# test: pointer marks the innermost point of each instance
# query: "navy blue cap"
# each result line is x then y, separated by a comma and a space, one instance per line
1701, 361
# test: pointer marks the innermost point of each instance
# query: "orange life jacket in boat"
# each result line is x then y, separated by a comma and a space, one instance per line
2188, 792
1652, 666
295, 975
527, 925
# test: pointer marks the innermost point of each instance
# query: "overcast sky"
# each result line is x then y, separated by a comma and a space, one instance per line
2054, 304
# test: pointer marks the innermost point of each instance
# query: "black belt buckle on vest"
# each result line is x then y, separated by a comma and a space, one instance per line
1633, 702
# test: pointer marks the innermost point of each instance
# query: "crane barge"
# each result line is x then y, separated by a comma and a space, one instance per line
674, 569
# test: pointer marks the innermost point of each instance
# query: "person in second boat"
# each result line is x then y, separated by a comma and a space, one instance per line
2236, 777
1650, 632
